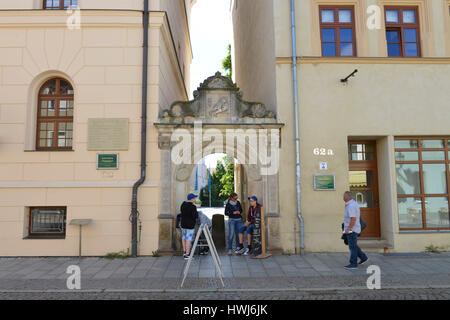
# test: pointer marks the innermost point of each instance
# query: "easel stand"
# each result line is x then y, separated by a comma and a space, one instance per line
263, 254
204, 228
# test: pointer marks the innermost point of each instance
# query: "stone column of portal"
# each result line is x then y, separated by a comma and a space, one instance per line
167, 235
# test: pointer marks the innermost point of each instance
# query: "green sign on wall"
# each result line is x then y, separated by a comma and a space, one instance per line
107, 161
324, 182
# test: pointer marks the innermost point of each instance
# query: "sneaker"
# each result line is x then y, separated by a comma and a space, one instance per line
230, 252
246, 252
237, 250
240, 251
351, 267
363, 261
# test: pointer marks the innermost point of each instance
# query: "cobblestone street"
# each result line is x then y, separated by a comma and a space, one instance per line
383, 294
312, 276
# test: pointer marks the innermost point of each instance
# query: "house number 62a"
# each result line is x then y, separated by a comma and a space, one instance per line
323, 152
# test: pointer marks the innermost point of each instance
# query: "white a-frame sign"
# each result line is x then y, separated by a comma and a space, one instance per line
204, 228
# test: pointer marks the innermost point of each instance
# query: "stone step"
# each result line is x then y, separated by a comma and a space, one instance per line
374, 244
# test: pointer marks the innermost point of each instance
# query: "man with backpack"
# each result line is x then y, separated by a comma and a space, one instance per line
189, 218
352, 229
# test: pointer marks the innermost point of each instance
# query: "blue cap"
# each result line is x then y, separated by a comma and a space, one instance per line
191, 196
254, 198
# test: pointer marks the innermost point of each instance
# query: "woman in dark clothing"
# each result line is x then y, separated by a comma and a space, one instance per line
233, 210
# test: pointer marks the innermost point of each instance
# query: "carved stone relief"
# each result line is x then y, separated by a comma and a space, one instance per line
217, 100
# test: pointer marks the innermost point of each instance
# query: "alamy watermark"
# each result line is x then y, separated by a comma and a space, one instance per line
73, 22
248, 146
374, 17
374, 281
74, 280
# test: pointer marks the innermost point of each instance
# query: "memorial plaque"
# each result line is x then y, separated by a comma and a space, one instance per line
108, 134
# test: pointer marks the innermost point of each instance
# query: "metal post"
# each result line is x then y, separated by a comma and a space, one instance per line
79, 251
296, 126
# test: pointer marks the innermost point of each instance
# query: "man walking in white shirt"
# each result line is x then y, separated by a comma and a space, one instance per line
352, 229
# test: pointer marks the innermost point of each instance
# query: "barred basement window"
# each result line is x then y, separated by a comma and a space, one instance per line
47, 221
59, 4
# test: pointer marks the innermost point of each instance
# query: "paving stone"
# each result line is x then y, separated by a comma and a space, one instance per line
309, 271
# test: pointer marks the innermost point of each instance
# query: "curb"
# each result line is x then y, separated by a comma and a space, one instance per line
226, 290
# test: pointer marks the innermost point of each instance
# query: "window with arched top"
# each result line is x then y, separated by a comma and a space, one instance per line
55, 115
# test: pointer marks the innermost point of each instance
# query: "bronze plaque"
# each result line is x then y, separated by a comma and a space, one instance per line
108, 134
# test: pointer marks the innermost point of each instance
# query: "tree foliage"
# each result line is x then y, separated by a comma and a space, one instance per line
226, 64
222, 184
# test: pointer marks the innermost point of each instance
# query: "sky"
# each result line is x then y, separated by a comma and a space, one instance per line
211, 32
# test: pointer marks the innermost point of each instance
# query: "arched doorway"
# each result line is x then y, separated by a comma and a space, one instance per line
213, 179
218, 121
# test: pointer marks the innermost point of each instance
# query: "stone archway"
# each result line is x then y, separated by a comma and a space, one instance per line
218, 121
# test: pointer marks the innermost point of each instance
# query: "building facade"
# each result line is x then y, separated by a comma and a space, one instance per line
70, 121
382, 132
71, 94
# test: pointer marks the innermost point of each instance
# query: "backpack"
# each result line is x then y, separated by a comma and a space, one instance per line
362, 223
178, 221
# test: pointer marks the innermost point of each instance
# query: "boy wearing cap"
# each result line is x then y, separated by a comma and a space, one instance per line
248, 226
189, 218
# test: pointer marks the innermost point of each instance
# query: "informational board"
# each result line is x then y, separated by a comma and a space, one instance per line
324, 182
257, 234
107, 161
259, 239
108, 134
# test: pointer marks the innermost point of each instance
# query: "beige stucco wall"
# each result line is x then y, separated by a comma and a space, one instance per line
177, 14
445, 7
254, 54
103, 61
433, 20
85, 4
413, 101
388, 97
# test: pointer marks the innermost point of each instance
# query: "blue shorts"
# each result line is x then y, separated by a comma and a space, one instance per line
248, 229
187, 234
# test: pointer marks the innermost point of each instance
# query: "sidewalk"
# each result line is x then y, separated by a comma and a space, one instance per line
313, 271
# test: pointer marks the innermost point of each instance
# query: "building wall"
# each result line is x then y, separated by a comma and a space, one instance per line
84, 4
387, 98
369, 106
103, 62
254, 54
177, 11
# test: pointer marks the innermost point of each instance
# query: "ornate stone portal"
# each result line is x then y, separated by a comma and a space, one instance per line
217, 110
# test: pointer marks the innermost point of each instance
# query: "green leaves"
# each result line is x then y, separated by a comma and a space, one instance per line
222, 183
226, 64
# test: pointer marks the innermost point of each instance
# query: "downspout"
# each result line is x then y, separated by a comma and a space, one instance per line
296, 126
134, 211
